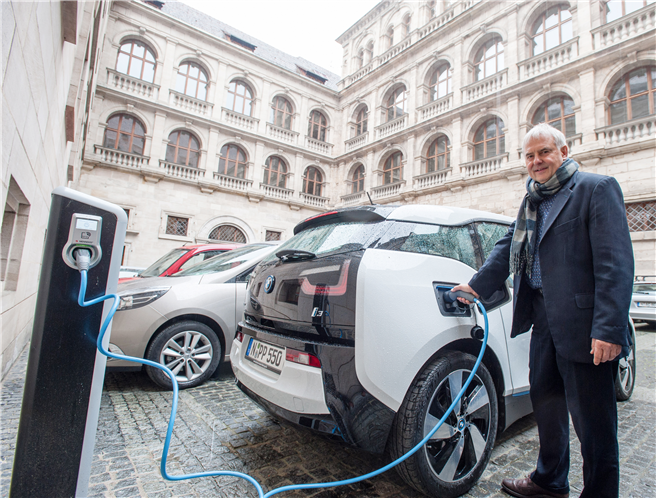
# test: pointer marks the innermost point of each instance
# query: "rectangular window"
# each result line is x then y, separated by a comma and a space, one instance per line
177, 226
14, 228
270, 236
641, 216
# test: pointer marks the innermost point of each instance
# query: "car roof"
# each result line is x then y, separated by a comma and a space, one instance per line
444, 215
209, 247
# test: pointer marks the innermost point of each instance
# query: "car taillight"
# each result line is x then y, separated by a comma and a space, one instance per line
239, 336
302, 358
328, 290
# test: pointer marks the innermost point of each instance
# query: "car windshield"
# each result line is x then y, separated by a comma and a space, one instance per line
644, 287
223, 261
163, 263
329, 239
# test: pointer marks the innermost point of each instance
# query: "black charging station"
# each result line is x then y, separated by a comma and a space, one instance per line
65, 371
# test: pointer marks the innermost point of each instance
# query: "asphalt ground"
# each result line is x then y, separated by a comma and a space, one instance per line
218, 427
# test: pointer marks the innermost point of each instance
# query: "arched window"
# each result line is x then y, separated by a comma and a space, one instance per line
553, 28
281, 113
489, 140
317, 126
489, 59
389, 37
396, 104
357, 180
368, 53
359, 59
559, 113
137, 60
406, 25
312, 181
614, 9
633, 96
191, 80
361, 121
124, 133
437, 157
232, 161
227, 233
240, 98
441, 82
393, 169
183, 149
275, 172
432, 9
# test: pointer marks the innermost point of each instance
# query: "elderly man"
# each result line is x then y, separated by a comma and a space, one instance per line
570, 255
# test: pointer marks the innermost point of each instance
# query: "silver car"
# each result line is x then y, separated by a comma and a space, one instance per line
643, 301
186, 321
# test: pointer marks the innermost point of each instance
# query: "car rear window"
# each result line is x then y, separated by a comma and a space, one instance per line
332, 239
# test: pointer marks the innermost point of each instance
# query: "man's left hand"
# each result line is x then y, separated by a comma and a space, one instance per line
604, 351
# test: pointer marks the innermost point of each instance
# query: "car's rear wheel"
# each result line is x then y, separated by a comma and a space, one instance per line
190, 349
626, 372
457, 454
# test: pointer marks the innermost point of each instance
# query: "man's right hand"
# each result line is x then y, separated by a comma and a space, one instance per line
465, 288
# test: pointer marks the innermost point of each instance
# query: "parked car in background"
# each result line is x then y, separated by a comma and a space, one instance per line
182, 258
643, 301
347, 331
129, 272
186, 321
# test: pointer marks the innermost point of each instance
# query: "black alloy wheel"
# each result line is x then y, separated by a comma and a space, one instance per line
457, 454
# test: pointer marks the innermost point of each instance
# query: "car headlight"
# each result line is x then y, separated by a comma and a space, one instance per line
133, 299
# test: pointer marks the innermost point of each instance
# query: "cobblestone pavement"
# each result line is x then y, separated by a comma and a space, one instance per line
217, 427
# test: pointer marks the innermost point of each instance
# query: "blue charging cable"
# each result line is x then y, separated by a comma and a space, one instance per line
174, 405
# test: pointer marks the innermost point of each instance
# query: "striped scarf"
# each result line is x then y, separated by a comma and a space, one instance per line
523, 243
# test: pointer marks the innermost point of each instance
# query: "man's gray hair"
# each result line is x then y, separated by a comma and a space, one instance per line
543, 130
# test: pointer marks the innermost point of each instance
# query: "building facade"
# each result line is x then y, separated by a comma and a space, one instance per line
204, 133
49, 60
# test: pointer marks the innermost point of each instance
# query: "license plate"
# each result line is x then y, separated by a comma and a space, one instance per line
266, 355
646, 305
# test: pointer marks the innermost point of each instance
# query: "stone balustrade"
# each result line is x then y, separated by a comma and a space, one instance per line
435, 108
276, 192
318, 145
551, 59
391, 127
625, 27
485, 87
432, 179
353, 199
190, 104
182, 172
118, 158
629, 132
573, 141
436, 23
131, 85
361, 73
394, 51
356, 142
281, 134
231, 182
314, 200
386, 190
239, 120
483, 167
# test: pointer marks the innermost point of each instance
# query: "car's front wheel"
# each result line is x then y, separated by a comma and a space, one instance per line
457, 454
626, 373
190, 349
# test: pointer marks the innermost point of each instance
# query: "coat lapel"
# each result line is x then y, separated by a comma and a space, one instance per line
559, 202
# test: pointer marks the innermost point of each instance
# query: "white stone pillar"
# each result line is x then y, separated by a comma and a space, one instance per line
592, 113
212, 163
167, 80
158, 147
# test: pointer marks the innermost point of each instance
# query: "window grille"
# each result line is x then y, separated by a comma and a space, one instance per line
228, 233
641, 216
271, 236
177, 226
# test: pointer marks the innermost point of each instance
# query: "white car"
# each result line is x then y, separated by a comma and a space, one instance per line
185, 321
346, 332
643, 301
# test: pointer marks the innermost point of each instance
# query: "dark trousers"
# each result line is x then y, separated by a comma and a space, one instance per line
587, 391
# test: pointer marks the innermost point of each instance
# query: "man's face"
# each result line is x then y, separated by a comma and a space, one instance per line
543, 158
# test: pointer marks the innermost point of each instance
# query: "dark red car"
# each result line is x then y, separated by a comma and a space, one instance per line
182, 258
